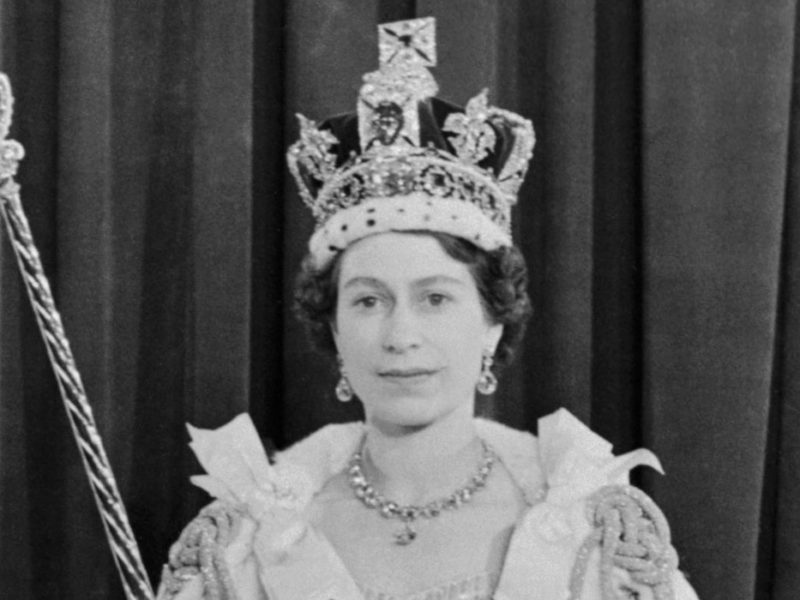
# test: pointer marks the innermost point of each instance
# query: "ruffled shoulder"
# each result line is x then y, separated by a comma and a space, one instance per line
255, 535
239, 474
592, 536
576, 461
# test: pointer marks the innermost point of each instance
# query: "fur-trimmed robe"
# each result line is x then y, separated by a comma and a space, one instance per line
587, 534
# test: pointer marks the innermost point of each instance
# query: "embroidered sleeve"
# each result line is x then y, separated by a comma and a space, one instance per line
198, 555
632, 536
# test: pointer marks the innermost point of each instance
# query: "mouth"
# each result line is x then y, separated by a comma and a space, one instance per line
410, 375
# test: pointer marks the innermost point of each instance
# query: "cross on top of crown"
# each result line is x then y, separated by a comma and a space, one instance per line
411, 42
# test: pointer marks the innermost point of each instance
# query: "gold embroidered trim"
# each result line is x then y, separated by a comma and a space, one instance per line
200, 550
632, 535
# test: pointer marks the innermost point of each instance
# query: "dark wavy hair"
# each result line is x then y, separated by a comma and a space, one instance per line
501, 277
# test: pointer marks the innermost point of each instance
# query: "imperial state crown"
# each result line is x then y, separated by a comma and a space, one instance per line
406, 160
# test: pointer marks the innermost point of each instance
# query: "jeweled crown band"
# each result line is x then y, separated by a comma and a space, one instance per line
404, 143
427, 170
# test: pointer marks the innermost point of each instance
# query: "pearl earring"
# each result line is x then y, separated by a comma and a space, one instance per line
487, 382
344, 391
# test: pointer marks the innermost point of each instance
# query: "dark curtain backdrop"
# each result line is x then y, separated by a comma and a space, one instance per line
660, 221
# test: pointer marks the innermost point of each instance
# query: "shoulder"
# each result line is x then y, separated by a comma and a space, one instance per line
566, 455
259, 509
590, 534
210, 554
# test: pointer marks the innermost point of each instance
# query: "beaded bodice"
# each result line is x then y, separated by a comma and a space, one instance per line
473, 587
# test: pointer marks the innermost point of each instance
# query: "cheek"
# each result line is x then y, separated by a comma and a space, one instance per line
470, 347
354, 338
464, 337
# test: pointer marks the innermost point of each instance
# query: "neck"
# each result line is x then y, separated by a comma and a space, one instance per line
414, 465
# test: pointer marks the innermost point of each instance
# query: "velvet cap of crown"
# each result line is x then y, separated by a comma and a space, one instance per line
406, 160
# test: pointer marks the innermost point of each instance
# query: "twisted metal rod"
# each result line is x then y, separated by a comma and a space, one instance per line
101, 478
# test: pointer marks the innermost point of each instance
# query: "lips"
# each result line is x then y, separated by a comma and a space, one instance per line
408, 374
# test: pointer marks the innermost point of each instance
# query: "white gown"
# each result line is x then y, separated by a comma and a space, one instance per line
586, 536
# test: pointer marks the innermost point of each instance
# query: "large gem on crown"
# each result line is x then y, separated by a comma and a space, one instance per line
389, 176
387, 122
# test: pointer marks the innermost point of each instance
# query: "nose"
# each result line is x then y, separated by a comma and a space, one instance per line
402, 330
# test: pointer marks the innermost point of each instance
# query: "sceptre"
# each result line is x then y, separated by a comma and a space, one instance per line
79, 413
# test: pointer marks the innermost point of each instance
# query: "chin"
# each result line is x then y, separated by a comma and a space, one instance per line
414, 412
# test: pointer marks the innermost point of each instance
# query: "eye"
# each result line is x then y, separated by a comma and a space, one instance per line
366, 301
436, 299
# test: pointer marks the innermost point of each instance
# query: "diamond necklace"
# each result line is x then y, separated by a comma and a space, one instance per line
409, 513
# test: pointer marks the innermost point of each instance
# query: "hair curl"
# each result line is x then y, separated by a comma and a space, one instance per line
501, 277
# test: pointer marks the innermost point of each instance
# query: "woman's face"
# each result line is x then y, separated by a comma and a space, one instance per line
410, 328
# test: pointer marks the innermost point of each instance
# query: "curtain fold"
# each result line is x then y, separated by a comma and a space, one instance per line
659, 220
33, 429
717, 88
780, 563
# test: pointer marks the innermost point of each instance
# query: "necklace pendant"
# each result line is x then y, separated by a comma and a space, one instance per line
365, 492
405, 536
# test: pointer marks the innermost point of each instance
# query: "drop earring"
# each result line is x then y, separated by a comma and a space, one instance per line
344, 392
487, 382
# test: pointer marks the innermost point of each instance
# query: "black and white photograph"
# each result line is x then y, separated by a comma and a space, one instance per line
399, 300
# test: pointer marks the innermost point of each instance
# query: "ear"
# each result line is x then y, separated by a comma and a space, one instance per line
492, 338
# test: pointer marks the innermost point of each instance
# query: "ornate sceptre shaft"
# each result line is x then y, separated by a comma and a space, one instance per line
79, 412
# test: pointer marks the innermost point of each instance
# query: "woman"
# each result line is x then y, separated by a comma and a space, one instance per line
412, 281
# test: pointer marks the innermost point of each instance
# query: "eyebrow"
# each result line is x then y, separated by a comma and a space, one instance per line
424, 282
361, 280
438, 279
